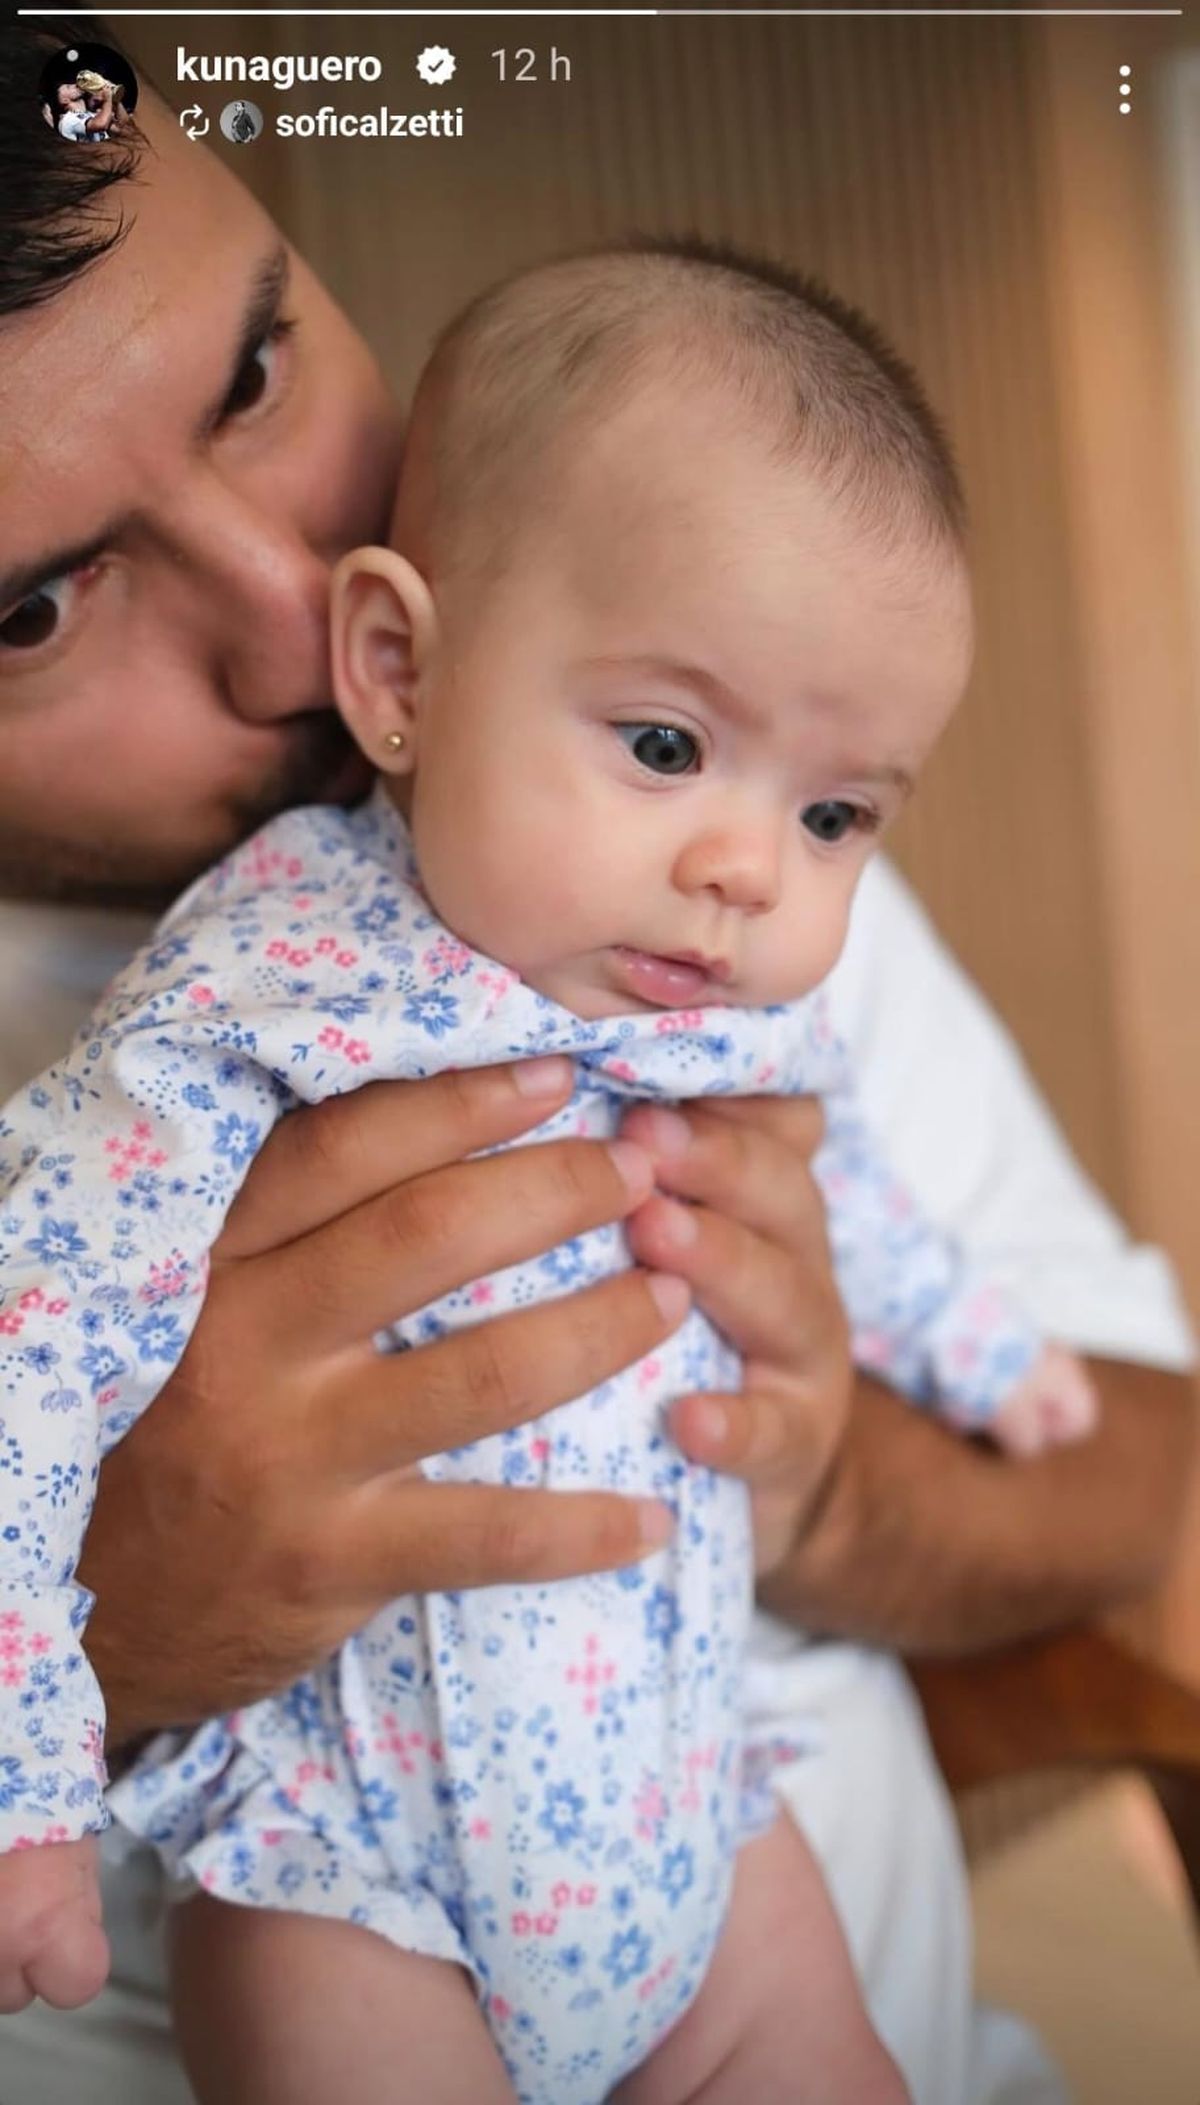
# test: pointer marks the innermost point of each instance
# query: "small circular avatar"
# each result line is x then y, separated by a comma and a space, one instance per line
241, 122
88, 93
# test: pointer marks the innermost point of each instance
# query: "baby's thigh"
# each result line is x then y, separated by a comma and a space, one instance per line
779, 2016
280, 2009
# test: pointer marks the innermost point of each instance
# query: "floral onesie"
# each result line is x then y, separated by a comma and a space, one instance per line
545, 1784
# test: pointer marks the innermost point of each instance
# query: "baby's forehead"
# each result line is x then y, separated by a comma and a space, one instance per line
768, 562
641, 384
691, 469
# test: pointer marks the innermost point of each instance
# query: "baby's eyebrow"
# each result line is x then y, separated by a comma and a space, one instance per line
894, 777
680, 672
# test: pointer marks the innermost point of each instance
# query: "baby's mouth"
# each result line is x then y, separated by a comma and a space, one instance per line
680, 982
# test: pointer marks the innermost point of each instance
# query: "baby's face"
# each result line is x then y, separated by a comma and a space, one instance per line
651, 762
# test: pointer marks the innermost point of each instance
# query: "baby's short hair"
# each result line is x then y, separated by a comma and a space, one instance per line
539, 353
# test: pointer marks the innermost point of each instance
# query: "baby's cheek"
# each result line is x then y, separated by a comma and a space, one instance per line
506, 896
465, 873
820, 938
556, 916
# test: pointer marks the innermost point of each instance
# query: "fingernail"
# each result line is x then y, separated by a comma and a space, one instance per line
671, 1294
678, 1225
656, 1524
548, 1076
706, 1421
670, 1133
633, 1166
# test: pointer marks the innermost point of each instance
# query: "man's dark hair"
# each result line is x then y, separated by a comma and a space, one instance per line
56, 217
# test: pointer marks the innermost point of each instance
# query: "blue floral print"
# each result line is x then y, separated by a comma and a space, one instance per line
545, 1784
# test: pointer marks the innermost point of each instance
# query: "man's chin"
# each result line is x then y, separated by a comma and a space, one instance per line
117, 884
349, 782
145, 878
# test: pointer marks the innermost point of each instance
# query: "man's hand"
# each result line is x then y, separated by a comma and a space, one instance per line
269, 1502
929, 1543
739, 1216
873, 1520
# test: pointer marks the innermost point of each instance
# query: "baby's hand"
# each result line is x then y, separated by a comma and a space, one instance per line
1055, 1403
52, 1942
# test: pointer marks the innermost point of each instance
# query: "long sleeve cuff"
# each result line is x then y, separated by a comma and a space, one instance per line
51, 1719
964, 1357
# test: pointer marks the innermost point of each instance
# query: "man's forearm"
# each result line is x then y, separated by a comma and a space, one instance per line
926, 1542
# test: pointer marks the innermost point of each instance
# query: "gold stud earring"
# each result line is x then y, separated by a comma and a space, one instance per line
394, 741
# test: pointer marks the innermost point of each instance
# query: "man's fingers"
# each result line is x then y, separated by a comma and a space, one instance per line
754, 1167
797, 1122
326, 1158
389, 1410
460, 1535
422, 1238
750, 1287
761, 1436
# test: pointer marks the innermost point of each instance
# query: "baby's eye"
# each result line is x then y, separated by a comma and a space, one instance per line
663, 748
832, 819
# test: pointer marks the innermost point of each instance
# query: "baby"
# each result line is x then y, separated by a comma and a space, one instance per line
676, 607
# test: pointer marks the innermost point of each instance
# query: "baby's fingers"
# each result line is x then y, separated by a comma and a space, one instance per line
52, 1943
72, 1966
15, 1991
67, 1967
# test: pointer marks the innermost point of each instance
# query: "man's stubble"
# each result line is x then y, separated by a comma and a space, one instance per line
116, 874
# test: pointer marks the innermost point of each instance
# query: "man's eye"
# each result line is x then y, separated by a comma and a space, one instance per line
663, 748
256, 373
35, 620
832, 819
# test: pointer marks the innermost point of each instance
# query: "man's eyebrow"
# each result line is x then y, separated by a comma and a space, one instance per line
28, 578
263, 301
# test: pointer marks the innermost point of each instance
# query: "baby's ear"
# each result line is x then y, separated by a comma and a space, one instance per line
383, 629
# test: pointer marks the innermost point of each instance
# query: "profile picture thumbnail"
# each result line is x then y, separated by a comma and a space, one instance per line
88, 93
241, 122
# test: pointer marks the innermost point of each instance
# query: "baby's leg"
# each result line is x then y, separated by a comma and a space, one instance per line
275, 2009
779, 2018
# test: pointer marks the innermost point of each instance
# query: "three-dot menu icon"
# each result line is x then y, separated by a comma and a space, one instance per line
1125, 89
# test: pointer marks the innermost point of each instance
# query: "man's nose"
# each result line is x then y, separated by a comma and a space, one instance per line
264, 606
740, 866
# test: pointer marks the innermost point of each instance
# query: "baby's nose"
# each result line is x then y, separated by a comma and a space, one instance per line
742, 868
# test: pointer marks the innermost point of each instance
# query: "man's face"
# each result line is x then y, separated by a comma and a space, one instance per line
190, 434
